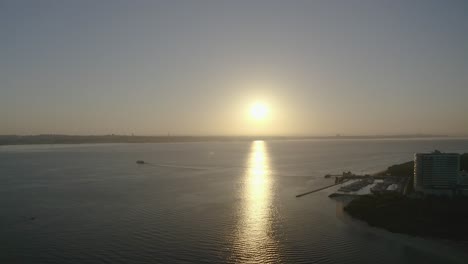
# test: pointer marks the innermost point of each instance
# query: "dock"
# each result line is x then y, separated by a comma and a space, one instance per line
323, 188
397, 184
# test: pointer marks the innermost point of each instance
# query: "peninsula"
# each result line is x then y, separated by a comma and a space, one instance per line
426, 216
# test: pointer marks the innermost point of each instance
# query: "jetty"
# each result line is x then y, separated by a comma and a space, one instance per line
378, 184
323, 188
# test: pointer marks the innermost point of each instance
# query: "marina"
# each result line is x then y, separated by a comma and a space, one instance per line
355, 185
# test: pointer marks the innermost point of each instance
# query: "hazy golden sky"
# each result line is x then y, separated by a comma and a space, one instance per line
197, 67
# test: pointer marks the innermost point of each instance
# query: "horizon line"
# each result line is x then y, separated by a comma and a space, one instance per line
233, 135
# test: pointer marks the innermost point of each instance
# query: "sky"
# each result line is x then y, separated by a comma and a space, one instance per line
196, 67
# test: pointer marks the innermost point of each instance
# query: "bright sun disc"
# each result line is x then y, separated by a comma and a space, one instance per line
259, 111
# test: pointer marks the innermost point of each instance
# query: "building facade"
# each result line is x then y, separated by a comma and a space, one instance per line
463, 183
436, 172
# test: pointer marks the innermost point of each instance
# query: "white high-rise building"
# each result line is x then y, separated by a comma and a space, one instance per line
436, 172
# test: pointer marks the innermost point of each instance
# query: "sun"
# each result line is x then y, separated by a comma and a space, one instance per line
259, 111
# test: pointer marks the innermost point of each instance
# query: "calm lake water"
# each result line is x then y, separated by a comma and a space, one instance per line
201, 203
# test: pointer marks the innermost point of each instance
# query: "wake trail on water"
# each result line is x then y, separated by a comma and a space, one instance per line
201, 168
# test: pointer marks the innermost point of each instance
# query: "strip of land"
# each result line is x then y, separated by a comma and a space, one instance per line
78, 139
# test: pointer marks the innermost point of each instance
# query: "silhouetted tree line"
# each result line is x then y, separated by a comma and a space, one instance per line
407, 168
440, 217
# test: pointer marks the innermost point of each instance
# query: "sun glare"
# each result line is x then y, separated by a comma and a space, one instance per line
259, 111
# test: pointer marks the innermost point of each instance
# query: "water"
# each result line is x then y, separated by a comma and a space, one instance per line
201, 203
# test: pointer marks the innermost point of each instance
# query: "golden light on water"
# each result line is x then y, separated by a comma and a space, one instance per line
257, 189
254, 241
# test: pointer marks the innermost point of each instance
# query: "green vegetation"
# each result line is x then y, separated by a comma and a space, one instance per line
438, 217
403, 169
407, 168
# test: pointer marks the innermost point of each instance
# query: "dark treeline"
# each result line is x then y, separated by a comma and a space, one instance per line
407, 168
438, 217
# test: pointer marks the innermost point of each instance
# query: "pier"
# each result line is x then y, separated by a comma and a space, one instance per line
355, 188
323, 188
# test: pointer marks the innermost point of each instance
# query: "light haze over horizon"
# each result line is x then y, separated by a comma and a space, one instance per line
196, 67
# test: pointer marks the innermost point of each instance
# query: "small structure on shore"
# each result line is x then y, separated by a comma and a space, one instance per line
344, 174
363, 184
356, 186
140, 162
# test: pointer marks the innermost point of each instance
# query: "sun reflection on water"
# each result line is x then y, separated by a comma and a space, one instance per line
254, 241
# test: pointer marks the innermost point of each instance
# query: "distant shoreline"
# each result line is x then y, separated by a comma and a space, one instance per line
90, 139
